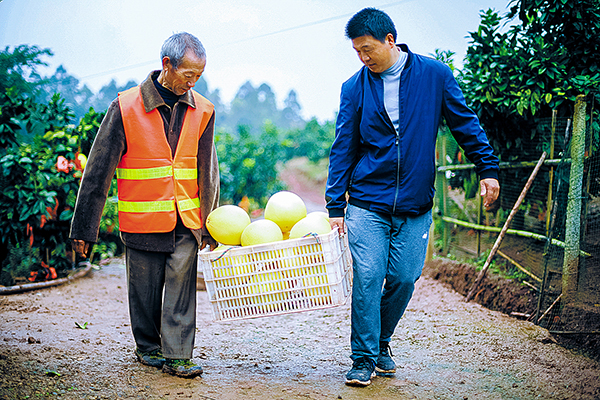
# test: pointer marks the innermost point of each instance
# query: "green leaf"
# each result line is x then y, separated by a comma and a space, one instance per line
81, 326
66, 215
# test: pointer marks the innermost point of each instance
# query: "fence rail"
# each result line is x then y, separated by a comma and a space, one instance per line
555, 235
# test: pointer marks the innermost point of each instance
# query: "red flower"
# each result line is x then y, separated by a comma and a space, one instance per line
62, 165
50, 271
53, 212
29, 232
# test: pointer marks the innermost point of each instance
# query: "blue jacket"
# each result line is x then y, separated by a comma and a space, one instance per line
394, 172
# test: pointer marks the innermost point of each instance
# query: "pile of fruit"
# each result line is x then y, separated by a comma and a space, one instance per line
285, 217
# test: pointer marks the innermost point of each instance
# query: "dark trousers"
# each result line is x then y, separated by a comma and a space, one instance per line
162, 297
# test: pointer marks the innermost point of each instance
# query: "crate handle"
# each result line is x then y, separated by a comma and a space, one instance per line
222, 255
313, 235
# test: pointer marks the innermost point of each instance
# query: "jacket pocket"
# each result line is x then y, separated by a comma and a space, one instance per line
355, 171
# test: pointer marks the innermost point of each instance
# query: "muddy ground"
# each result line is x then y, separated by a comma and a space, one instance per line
445, 349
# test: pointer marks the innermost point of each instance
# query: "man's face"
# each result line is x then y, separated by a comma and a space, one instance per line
180, 80
377, 56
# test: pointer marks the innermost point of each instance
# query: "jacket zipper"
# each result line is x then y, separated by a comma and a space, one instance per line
398, 146
397, 172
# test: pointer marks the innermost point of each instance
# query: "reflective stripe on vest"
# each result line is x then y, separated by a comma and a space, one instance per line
159, 172
146, 206
153, 185
158, 206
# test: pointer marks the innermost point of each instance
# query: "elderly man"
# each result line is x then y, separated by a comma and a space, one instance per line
158, 138
381, 177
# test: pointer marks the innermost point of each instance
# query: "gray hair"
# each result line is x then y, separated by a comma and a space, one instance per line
177, 45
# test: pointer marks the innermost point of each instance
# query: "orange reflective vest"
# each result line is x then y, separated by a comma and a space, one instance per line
152, 184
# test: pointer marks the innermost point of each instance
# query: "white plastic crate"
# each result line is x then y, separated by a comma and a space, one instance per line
278, 278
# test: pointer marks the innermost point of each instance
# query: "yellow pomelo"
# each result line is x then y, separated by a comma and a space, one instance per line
226, 224
319, 213
285, 209
261, 231
314, 224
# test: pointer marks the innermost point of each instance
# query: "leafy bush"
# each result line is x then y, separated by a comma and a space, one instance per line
19, 264
313, 141
39, 188
248, 165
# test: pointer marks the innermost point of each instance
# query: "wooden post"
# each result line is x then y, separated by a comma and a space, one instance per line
551, 174
573, 223
513, 212
444, 193
479, 216
552, 211
430, 244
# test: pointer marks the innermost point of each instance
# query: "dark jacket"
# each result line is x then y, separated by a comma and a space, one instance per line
107, 150
394, 172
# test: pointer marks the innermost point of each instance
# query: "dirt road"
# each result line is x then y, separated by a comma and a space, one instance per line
445, 349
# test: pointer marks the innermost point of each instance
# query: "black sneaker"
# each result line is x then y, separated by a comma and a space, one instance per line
363, 369
385, 365
183, 368
152, 358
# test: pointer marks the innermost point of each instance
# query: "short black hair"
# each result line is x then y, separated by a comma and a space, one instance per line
370, 21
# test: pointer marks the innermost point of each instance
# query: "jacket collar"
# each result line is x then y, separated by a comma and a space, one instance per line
152, 99
407, 65
409, 59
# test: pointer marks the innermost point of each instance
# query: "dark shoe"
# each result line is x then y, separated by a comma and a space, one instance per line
152, 358
385, 365
363, 369
183, 368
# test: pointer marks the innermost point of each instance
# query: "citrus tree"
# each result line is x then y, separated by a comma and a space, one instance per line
523, 67
514, 77
38, 191
312, 141
248, 165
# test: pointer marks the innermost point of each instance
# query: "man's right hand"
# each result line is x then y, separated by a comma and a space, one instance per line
338, 223
82, 247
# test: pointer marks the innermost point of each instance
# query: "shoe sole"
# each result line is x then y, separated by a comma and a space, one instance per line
158, 364
154, 365
386, 373
356, 382
180, 374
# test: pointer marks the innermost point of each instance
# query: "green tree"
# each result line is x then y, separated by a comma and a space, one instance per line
79, 98
312, 141
214, 96
253, 107
517, 73
572, 31
513, 78
38, 191
290, 116
18, 69
248, 164
19, 83
13, 109
108, 93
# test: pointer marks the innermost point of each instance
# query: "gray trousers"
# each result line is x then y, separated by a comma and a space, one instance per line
162, 297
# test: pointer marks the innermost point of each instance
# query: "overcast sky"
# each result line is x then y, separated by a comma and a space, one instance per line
288, 44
